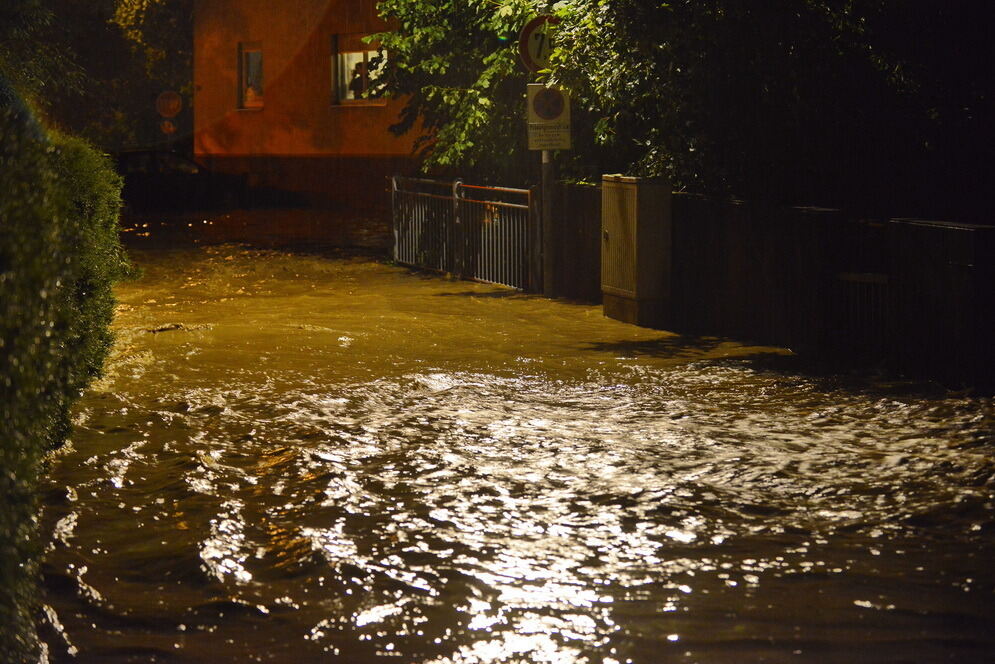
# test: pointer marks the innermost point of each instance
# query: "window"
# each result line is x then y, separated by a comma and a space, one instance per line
352, 60
250, 75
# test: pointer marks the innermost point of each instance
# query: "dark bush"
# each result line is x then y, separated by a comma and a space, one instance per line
32, 267
59, 254
92, 189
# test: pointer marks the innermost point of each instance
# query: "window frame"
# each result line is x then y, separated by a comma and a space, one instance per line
347, 43
245, 49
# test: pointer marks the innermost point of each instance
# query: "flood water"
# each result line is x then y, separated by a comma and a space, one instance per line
331, 459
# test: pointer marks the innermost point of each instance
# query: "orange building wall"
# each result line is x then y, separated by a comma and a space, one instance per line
298, 140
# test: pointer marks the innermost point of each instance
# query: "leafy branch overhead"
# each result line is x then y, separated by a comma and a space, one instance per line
92, 66
457, 64
161, 31
815, 101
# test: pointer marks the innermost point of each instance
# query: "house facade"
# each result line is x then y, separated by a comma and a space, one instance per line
279, 95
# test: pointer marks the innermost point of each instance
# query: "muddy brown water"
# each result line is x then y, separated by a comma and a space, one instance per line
332, 459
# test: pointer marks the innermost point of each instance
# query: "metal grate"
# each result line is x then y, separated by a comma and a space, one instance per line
476, 232
423, 212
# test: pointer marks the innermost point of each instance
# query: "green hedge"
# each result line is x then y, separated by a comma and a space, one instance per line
59, 255
93, 190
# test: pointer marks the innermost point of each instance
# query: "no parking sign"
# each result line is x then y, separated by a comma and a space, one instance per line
548, 118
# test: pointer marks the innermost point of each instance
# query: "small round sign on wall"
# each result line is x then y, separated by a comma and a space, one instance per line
534, 43
169, 104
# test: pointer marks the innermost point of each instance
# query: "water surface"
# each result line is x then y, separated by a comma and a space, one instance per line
300, 458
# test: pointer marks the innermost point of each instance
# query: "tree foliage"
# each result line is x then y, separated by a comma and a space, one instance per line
760, 99
31, 56
455, 62
95, 67
132, 51
813, 101
162, 32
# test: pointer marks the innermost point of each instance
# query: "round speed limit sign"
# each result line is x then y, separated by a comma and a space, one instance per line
534, 44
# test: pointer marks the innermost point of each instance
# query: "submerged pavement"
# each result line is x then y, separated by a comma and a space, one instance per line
330, 458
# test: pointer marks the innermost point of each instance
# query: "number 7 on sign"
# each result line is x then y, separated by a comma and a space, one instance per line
541, 52
535, 44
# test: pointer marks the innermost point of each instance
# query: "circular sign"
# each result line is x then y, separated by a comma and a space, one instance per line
167, 127
169, 104
534, 44
548, 103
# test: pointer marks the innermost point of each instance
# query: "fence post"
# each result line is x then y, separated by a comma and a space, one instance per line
535, 256
454, 232
549, 228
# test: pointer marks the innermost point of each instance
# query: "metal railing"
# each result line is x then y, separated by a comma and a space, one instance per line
475, 232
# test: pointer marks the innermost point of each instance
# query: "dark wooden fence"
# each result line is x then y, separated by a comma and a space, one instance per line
915, 296
943, 298
577, 245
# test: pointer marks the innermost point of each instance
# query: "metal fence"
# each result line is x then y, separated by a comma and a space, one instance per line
475, 232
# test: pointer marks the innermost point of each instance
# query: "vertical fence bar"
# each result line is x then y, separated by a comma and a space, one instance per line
394, 207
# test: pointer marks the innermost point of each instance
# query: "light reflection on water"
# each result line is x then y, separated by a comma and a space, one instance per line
303, 459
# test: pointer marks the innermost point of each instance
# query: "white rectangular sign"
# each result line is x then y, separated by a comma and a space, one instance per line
548, 118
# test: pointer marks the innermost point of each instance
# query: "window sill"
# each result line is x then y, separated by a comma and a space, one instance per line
360, 103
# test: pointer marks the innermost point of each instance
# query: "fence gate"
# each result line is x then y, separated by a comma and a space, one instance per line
475, 232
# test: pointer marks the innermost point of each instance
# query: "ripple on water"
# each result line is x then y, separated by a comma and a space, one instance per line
443, 515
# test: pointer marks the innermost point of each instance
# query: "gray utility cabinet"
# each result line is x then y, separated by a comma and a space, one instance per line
637, 233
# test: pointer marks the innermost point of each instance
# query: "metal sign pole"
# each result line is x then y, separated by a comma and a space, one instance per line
548, 227
548, 118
